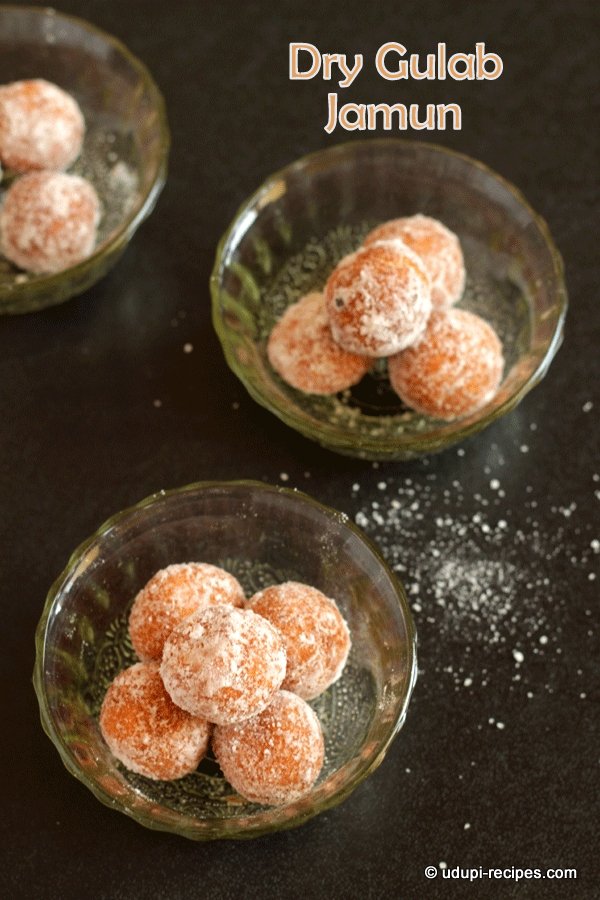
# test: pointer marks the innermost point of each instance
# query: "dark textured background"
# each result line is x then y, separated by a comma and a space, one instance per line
82, 439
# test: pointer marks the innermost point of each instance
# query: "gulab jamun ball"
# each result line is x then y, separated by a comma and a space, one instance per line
454, 369
41, 126
378, 299
438, 248
302, 350
223, 664
146, 731
316, 637
275, 757
170, 596
48, 221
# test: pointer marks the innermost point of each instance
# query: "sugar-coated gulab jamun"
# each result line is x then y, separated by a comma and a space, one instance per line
146, 731
170, 596
437, 246
275, 757
48, 221
223, 664
41, 126
302, 350
453, 370
316, 637
378, 299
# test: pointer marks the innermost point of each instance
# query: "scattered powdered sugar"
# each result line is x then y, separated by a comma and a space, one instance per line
491, 581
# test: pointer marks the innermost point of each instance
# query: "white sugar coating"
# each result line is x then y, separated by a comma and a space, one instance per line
378, 299
41, 126
454, 369
275, 757
316, 637
224, 664
48, 221
171, 595
437, 246
146, 731
302, 350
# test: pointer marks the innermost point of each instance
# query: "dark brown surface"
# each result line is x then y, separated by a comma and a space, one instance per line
82, 439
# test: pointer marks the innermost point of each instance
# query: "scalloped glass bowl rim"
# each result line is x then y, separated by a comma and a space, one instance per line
381, 447
213, 830
126, 231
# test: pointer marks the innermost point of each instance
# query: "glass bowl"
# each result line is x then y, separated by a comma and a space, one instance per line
263, 535
126, 144
288, 236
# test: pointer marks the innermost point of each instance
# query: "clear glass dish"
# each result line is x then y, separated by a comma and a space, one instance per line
263, 535
287, 237
126, 145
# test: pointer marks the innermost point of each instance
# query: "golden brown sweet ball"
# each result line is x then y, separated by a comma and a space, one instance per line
454, 369
439, 249
275, 757
302, 350
223, 664
170, 596
316, 637
378, 299
146, 731
41, 126
48, 221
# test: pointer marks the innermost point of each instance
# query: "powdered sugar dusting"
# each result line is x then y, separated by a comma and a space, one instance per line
439, 249
378, 299
48, 221
146, 731
223, 663
41, 126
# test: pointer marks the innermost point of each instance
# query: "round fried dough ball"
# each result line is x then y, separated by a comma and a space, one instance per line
48, 221
454, 369
224, 664
378, 299
276, 756
146, 731
437, 246
302, 350
41, 126
316, 637
170, 596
